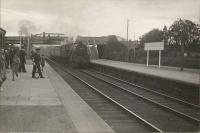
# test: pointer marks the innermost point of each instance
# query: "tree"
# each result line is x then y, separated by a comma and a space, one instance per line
183, 33
154, 35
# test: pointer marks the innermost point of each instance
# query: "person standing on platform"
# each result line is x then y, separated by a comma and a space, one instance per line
22, 56
2, 69
32, 54
36, 64
42, 61
7, 58
4, 64
11, 55
15, 65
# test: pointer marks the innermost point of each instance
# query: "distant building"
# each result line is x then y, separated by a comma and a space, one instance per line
52, 35
102, 40
51, 39
2, 37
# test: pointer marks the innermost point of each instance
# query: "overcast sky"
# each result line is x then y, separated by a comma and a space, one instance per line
95, 17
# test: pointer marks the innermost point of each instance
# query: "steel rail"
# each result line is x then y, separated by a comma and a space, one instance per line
149, 100
158, 93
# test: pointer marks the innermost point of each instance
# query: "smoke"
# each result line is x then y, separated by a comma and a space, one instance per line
26, 27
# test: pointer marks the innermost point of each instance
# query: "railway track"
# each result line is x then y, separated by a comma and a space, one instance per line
121, 121
155, 92
185, 109
138, 105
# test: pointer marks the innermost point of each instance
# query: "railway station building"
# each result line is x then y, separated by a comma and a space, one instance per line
2, 37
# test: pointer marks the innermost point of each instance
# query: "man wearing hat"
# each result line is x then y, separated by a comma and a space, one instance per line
36, 65
22, 57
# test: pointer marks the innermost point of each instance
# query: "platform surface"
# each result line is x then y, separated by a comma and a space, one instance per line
45, 105
173, 73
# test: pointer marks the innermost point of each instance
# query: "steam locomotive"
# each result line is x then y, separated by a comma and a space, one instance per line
74, 54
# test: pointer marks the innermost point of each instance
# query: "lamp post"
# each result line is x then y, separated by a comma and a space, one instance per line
181, 38
182, 56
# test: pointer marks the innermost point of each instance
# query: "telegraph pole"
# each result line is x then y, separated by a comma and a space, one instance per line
127, 30
0, 13
127, 39
199, 16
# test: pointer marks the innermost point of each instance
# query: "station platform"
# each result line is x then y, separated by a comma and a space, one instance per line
191, 76
45, 105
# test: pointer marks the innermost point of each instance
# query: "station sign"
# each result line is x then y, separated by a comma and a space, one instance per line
154, 46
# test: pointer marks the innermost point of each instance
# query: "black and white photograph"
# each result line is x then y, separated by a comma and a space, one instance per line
99, 66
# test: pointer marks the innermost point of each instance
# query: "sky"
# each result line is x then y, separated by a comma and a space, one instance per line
95, 17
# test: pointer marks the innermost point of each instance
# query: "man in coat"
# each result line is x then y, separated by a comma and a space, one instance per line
11, 55
36, 64
22, 57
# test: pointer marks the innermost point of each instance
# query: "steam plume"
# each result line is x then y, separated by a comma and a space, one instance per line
26, 27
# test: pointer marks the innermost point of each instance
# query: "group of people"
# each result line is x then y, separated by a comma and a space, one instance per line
15, 59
